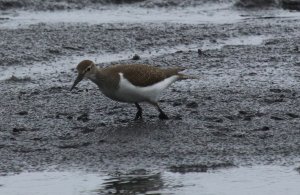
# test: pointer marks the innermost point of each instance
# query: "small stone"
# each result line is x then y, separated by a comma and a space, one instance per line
276, 118
178, 117
54, 51
23, 113
200, 52
136, 57
101, 141
264, 128
192, 105
242, 112
252, 74
18, 130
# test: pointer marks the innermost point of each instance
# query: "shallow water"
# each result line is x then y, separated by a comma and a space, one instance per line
208, 13
211, 13
259, 180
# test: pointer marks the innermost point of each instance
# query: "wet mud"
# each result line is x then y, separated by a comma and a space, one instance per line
243, 110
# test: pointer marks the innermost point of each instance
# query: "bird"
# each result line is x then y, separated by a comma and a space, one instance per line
131, 83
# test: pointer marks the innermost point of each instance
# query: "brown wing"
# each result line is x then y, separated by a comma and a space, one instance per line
143, 75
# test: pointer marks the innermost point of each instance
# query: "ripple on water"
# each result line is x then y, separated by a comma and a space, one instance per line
259, 180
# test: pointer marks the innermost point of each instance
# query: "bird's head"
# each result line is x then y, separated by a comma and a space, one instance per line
85, 69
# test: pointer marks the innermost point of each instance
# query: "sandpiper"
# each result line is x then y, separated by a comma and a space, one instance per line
131, 83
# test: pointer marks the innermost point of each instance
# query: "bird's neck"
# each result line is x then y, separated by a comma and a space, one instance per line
97, 77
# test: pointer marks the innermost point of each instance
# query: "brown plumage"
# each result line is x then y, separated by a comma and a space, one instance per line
131, 82
139, 74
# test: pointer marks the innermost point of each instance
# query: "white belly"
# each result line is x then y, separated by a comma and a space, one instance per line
128, 92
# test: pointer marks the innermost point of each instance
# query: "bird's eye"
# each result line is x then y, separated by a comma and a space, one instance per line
88, 69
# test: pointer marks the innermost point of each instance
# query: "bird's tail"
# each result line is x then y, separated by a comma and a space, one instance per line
184, 77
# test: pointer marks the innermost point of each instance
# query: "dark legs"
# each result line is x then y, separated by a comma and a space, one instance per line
139, 112
162, 115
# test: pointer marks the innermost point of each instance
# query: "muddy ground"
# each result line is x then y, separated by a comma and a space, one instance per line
244, 109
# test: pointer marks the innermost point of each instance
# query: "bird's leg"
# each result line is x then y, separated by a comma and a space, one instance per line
139, 112
162, 115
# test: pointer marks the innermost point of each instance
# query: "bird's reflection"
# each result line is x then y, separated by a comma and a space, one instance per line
133, 184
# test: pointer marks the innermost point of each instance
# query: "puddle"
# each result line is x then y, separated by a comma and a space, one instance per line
210, 13
49, 183
259, 180
44, 70
244, 40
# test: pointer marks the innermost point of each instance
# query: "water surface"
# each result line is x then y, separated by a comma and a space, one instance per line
258, 180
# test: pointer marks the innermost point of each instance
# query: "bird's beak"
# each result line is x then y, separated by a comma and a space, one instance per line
78, 79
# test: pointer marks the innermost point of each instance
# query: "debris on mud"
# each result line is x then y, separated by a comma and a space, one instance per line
18, 129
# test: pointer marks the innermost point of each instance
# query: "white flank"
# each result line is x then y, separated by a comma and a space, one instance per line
128, 92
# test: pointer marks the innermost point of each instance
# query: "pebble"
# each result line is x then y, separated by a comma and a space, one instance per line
136, 57
23, 113
192, 105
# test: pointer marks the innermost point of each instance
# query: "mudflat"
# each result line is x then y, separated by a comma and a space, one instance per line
243, 110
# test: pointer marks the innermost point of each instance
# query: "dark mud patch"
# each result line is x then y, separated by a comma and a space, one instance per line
293, 115
84, 117
78, 4
18, 79
199, 167
255, 3
291, 4
10, 4
263, 4
69, 145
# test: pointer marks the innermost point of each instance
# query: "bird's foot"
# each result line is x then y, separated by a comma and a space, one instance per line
138, 116
163, 116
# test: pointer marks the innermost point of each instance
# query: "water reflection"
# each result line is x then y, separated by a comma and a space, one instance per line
133, 184
258, 180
